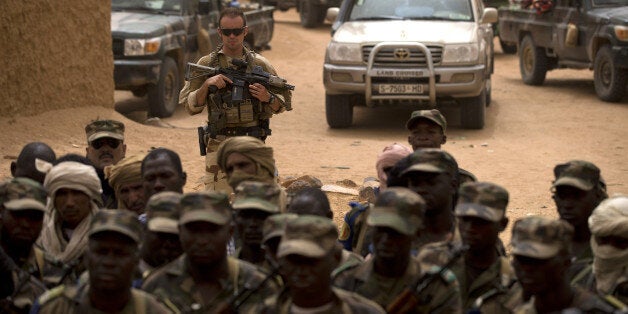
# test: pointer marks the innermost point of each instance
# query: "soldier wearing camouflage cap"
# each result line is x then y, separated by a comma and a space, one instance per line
541, 249
105, 147
397, 217
577, 190
22, 208
204, 277
273, 229
427, 129
308, 252
111, 257
253, 203
161, 243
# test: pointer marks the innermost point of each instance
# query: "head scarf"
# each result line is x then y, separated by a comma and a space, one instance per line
610, 264
255, 150
75, 176
127, 170
388, 158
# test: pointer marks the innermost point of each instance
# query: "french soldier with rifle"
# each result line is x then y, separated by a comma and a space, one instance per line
239, 88
392, 277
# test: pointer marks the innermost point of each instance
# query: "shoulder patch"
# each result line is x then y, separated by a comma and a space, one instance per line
345, 231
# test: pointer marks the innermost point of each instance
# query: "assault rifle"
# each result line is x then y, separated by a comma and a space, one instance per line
240, 77
408, 299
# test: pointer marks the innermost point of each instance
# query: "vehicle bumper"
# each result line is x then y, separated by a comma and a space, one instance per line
129, 74
455, 82
620, 56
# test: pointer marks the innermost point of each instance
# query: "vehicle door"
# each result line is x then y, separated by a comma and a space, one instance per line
485, 33
569, 12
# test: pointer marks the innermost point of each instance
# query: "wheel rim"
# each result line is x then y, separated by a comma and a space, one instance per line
528, 59
606, 73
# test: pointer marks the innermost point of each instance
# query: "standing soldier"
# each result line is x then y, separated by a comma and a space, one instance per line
392, 276
111, 257
204, 277
578, 189
228, 117
541, 249
125, 178
105, 147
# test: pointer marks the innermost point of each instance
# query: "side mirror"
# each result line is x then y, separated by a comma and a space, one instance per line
489, 16
203, 7
332, 14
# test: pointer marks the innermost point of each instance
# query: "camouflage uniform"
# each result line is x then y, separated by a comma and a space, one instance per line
402, 210
99, 129
543, 238
250, 117
16, 195
76, 299
174, 285
314, 237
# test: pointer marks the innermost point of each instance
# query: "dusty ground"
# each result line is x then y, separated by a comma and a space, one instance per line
528, 129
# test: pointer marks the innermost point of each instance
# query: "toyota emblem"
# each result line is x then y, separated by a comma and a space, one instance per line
402, 53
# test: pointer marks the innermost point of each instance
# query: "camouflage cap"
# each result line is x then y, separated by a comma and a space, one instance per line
121, 221
398, 208
275, 225
482, 199
307, 235
22, 194
104, 128
577, 173
431, 160
433, 115
207, 206
540, 237
161, 212
257, 195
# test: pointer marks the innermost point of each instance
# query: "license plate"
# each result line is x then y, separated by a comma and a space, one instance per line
400, 89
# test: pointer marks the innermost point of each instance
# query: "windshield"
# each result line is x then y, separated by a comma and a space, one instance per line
147, 5
449, 10
613, 3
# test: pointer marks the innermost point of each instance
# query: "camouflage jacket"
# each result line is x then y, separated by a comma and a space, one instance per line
344, 302
74, 299
173, 285
26, 289
583, 300
580, 268
441, 295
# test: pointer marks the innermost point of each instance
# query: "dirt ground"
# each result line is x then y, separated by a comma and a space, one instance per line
528, 129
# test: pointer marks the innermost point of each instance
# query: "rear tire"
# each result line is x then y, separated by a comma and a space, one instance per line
339, 111
609, 80
472, 111
164, 97
533, 62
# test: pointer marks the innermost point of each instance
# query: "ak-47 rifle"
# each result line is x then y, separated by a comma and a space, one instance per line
408, 299
240, 77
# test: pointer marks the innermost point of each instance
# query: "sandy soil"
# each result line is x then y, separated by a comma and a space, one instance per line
528, 129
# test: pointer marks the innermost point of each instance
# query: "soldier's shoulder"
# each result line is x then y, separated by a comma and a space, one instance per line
590, 302
358, 303
149, 303
206, 60
60, 299
162, 275
435, 254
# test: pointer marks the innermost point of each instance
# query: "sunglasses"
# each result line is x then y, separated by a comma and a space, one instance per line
111, 142
234, 31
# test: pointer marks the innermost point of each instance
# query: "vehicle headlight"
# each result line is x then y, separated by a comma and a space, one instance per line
140, 47
621, 32
464, 53
343, 52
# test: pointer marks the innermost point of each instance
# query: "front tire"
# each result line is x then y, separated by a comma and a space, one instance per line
164, 97
339, 111
609, 80
473, 110
533, 62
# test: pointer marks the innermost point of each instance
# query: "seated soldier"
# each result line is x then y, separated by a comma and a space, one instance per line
114, 237
308, 252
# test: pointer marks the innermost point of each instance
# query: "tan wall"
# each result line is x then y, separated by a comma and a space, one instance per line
54, 54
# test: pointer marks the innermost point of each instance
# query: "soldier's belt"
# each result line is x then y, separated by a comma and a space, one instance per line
253, 131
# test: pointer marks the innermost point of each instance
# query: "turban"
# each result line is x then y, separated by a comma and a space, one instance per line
610, 264
127, 170
71, 175
252, 148
388, 158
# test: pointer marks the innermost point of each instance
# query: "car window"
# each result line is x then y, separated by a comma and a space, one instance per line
454, 10
147, 5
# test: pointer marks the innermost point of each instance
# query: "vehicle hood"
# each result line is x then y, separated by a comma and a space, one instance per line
142, 25
423, 31
616, 15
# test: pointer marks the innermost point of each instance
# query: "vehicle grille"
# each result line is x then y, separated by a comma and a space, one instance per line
118, 47
386, 57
